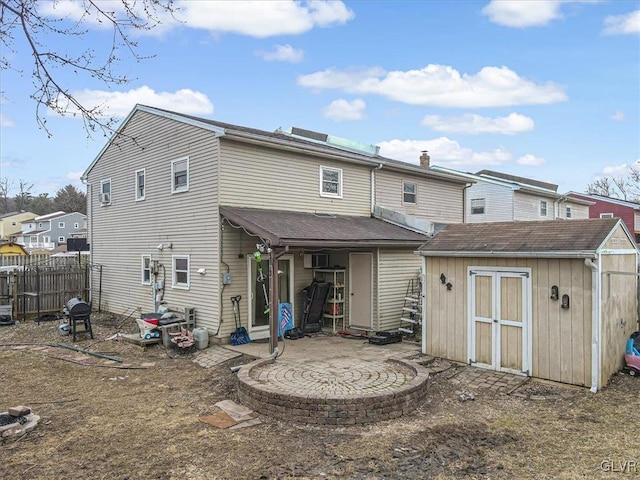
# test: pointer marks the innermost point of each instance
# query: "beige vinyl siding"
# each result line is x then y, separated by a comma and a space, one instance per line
561, 339
261, 177
577, 211
125, 230
395, 269
498, 203
618, 240
437, 201
527, 207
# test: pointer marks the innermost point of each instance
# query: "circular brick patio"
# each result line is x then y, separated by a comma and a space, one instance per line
339, 391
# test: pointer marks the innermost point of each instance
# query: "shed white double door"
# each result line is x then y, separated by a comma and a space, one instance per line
500, 318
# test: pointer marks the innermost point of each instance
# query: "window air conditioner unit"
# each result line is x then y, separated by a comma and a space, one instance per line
105, 198
316, 260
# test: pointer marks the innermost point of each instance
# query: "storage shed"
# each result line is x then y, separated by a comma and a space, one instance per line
554, 300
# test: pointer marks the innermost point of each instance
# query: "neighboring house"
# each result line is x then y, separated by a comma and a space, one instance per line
11, 223
177, 205
499, 197
554, 300
51, 230
608, 207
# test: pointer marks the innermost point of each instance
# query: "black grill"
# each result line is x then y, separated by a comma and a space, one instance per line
6, 419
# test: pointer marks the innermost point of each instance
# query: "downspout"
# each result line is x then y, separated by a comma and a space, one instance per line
595, 324
373, 185
464, 202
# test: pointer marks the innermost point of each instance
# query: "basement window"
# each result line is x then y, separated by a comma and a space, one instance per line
477, 206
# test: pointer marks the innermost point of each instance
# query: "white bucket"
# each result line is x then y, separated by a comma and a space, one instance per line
201, 336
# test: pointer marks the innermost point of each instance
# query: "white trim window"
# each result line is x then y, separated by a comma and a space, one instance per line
140, 184
568, 212
60, 224
180, 265
477, 206
40, 225
606, 215
330, 182
180, 175
105, 192
61, 239
409, 193
543, 208
76, 225
145, 273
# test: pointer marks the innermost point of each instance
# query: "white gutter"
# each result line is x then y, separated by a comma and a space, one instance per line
485, 254
595, 323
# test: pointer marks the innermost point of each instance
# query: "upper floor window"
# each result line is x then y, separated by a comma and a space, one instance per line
180, 175
61, 239
180, 271
543, 208
140, 184
477, 206
76, 225
606, 215
13, 224
60, 224
568, 212
40, 225
330, 182
146, 269
105, 192
409, 193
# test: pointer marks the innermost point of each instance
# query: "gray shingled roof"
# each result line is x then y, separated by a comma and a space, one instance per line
495, 238
282, 228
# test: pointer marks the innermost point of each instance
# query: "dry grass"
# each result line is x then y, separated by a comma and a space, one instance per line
104, 423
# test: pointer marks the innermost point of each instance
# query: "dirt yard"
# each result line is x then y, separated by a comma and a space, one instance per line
142, 423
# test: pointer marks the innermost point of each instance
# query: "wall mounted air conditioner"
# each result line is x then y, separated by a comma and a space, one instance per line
105, 198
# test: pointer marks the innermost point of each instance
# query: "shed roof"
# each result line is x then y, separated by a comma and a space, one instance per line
580, 237
285, 228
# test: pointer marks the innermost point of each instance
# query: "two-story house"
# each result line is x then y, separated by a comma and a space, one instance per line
11, 223
178, 206
608, 207
499, 197
50, 230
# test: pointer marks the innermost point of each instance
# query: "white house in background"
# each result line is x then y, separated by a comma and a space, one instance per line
499, 197
51, 230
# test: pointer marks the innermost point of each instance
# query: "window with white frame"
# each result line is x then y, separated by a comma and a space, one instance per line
146, 269
105, 192
543, 208
40, 225
180, 271
140, 184
76, 225
568, 212
46, 239
606, 215
477, 206
330, 182
61, 239
33, 239
409, 193
180, 175
60, 224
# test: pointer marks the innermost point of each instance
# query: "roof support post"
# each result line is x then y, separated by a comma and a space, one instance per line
274, 296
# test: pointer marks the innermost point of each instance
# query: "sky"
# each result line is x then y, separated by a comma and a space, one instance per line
545, 89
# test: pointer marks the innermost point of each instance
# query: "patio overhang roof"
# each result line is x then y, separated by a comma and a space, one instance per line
280, 228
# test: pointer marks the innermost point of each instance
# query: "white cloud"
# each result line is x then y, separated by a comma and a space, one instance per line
618, 116
628, 24
440, 86
621, 170
282, 53
6, 121
341, 109
119, 104
475, 124
444, 152
256, 18
74, 177
530, 160
522, 13
262, 19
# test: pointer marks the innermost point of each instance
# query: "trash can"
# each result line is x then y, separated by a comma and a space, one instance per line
201, 336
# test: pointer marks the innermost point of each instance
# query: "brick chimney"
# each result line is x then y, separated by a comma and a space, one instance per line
424, 159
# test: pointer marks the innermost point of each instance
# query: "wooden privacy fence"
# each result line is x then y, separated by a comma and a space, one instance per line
37, 290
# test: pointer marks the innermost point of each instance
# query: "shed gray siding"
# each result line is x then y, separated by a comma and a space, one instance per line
125, 230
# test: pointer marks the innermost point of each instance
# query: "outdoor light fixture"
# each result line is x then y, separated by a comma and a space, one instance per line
554, 292
449, 285
162, 246
565, 301
443, 279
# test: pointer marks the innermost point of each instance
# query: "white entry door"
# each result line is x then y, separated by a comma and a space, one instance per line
361, 290
499, 318
258, 289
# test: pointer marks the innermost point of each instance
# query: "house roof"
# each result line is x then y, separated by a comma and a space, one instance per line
580, 237
301, 229
516, 179
284, 140
602, 198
